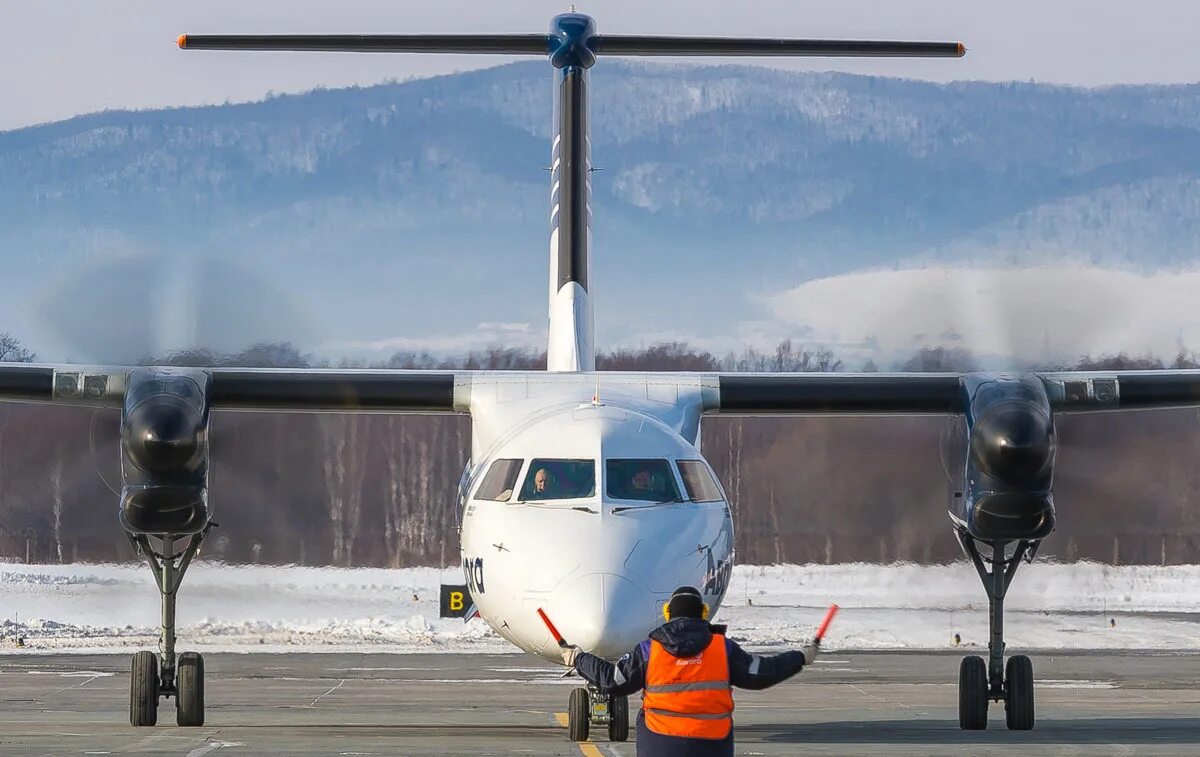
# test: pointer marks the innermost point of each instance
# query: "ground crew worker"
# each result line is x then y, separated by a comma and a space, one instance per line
686, 669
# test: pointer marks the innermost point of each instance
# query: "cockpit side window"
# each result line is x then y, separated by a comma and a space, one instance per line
699, 482
559, 479
641, 480
500, 480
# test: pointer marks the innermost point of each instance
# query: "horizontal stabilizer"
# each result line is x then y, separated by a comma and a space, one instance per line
609, 44
543, 44
507, 44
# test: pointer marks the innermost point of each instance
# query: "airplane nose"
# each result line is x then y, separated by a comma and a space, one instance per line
603, 613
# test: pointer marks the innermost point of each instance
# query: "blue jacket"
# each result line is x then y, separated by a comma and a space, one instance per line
685, 637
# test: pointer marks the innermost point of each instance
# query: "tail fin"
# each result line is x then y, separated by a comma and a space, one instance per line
571, 341
572, 46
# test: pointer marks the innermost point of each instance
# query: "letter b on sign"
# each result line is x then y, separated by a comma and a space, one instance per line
455, 601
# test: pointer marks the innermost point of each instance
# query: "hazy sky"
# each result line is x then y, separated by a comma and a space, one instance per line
65, 57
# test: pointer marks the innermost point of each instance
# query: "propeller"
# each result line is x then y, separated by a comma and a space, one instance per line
142, 307
972, 310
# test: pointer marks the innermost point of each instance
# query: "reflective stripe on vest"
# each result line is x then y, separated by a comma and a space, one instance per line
689, 696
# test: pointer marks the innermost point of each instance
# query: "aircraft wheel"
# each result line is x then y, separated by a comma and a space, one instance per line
618, 724
1018, 693
579, 716
189, 699
143, 689
972, 694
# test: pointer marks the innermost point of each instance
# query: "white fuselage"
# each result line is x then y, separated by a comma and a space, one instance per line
600, 562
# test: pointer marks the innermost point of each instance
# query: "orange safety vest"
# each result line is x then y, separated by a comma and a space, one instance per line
689, 696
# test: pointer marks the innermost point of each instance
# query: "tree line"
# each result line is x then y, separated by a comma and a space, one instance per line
379, 490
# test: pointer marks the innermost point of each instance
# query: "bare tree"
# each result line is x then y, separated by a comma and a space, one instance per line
12, 351
56, 500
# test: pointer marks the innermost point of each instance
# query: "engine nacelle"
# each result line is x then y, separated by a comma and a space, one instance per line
164, 451
1010, 459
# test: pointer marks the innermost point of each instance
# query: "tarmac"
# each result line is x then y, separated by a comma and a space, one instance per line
426, 704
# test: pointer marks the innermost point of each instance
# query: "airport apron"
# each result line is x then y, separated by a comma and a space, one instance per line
689, 696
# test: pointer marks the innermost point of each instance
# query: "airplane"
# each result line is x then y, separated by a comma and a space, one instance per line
586, 496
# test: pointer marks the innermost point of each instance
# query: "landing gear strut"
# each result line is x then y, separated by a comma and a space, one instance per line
979, 683
590, 706
164, 675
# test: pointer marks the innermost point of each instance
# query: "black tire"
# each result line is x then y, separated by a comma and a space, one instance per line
972, 694
618, 723
189, 697
1018, 693
143, 689
579, 715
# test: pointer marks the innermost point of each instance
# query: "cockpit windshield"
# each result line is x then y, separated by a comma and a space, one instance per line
699, 482
642, 480
500, 479
559, 479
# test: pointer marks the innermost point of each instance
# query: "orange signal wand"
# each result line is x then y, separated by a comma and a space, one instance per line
821, 629
553, 631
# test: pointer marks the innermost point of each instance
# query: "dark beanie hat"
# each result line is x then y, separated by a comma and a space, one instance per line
686, 602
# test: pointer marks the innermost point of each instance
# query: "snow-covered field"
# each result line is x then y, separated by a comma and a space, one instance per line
99, 608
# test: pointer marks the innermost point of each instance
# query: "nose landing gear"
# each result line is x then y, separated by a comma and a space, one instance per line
164, 675
980, 683
590, 706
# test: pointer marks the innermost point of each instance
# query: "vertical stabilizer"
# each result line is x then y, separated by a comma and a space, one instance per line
571, 343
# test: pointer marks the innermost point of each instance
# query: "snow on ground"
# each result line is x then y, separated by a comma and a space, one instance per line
111, 608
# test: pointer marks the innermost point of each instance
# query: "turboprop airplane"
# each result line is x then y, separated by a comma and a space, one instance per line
586, 495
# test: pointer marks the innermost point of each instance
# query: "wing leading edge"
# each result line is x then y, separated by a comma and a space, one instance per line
248, 388
944, 393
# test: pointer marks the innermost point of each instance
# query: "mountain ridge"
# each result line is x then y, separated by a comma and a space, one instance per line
720, 185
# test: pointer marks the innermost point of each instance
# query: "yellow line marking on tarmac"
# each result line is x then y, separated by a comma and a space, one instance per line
586, 749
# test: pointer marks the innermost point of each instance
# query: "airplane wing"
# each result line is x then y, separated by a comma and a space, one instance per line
378, 390
943, 393
838, 393
305, 389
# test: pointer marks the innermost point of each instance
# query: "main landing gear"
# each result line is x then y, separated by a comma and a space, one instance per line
163, 675
588, 707
980, 683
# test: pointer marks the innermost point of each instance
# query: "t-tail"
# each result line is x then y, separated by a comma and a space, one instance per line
572, 46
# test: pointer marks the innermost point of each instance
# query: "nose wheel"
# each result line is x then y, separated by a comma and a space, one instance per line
579, 721
618, 719
166, 674
590, 706
1018, 693
980, 682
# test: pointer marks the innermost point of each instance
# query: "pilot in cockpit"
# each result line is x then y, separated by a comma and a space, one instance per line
646, 484
543, 484
642, 481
